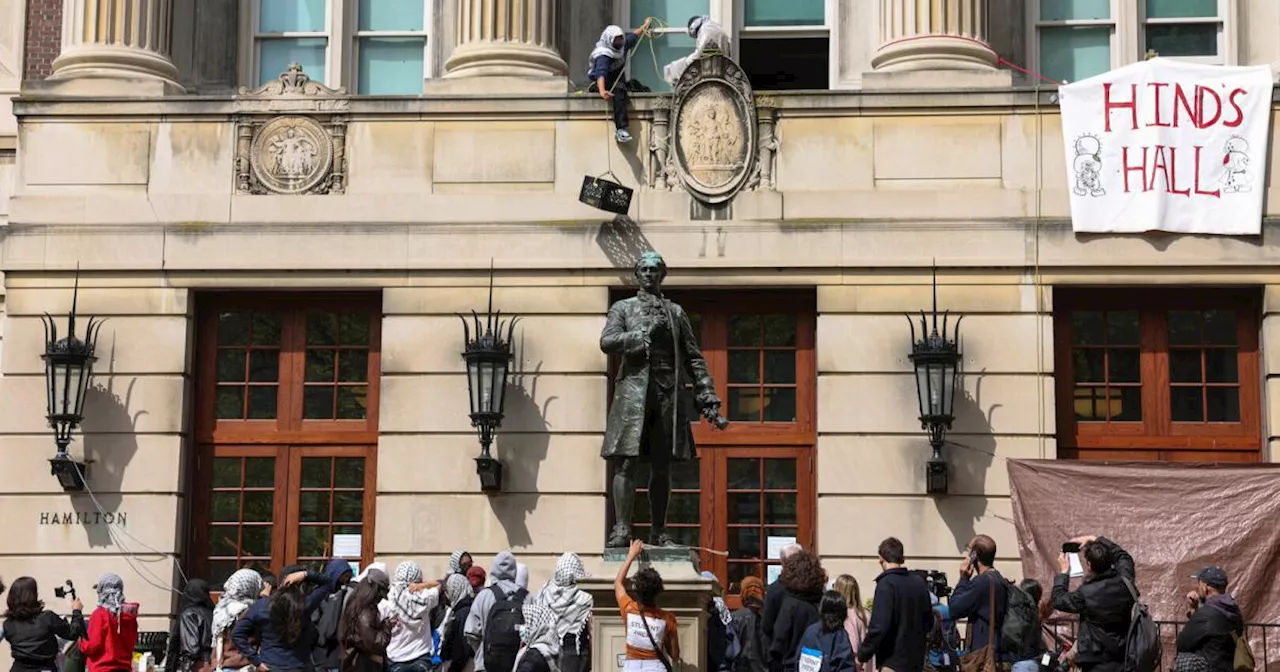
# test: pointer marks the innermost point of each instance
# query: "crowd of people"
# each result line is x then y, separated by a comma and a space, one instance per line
470, 621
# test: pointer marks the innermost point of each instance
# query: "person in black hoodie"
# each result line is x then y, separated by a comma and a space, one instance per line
327, 654
190, 644
901, 615
773, 597
804, 580
1210, 631
1103, 602
33, 632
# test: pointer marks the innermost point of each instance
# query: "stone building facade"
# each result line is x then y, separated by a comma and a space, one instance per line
281, 259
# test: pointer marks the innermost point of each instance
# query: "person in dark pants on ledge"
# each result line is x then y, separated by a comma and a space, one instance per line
608, 67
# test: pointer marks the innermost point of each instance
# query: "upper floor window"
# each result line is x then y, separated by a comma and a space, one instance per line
780, 45
1151, 374
1077, 39
372, 47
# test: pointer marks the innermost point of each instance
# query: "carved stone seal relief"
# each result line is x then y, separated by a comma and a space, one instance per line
291, 155
714, 134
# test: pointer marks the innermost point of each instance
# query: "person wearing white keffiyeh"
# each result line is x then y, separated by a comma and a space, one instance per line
239, 591
459, 562
541, 647
571, 607
710, 37
408, 604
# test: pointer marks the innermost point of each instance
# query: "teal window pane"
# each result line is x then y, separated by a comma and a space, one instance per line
1074, 10
1076, 53
790, 13
390, 15
667, 47
1183, 39
1181, 9
282, 16
390, 66
275, 55
674, 12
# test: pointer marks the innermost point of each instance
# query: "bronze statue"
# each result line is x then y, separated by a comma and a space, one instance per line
652, 410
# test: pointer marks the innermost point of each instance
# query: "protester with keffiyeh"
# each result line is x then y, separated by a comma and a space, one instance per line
540, 647
454, 649
239, 591
571, 607
459, 562
113, 629
408, 605
607, 71
710, 36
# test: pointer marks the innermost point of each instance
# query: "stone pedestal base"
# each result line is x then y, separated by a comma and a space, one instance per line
938, 79
138, 71
498, 85
686, 594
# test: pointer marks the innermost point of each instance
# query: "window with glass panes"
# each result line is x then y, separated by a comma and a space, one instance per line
372, 47
781, 45
1077, 39
1158, 375
286, 426
751, 489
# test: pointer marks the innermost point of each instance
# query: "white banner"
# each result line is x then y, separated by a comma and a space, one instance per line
1165, 145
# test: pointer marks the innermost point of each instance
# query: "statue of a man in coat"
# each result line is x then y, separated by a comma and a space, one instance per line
652, 411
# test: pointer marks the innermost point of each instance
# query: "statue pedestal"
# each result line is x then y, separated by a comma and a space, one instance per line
685, 594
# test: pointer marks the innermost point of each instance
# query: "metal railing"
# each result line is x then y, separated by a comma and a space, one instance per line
1264, 642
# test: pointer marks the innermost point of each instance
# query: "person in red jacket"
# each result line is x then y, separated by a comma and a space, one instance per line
113, 629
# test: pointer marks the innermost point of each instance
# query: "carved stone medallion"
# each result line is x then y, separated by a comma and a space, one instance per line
714, 127
291, 155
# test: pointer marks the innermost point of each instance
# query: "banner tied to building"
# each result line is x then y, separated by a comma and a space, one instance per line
1166, 145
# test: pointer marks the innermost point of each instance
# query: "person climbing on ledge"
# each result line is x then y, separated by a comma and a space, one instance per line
607, 71
711, 39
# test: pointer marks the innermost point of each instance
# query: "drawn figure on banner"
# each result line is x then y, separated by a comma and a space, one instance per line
1088, 166
1236, 162
294, 154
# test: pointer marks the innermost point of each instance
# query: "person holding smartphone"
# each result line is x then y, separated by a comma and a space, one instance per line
1103, 602
33, 632
979, 583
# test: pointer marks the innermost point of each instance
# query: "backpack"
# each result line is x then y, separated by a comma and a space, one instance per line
1020, 632
942, 644
1243, 661
501, 638
1142, 645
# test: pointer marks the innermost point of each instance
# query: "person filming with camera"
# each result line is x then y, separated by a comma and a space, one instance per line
33, 632
1104, 601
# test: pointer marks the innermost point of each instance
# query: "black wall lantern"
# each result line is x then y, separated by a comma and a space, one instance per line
68, 368
488, 359
937, 361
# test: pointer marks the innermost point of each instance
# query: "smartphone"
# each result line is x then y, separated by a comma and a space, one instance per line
1071, 547
1075, 567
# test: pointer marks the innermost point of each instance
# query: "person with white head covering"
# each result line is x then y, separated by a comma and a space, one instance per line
408, 604
710, 37
459, 562
454, 649
239, 592
607, 68
540, 648
113, 628
572, 609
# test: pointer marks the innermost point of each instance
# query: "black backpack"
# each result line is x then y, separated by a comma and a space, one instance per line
501, 638
1142, 646
328, 642
1021, 628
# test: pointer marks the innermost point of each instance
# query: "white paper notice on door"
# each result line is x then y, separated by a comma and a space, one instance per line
776, 544
347, 545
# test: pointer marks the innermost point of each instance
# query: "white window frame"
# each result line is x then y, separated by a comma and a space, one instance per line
342, 41
732, 15
1128, 23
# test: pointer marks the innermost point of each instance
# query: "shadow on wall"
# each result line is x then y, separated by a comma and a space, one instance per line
110, 443
521, 453
622, 242
970, 458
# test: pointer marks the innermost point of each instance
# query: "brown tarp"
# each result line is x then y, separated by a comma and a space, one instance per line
1173, 518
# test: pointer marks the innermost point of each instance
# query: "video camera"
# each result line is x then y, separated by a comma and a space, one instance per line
62, 593
936, 581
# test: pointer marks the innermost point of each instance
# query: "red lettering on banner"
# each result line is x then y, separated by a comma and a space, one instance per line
1205, 121
1156, 86
1140, 169
1181, 102
1231, 100
1216, 193
1132, 105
